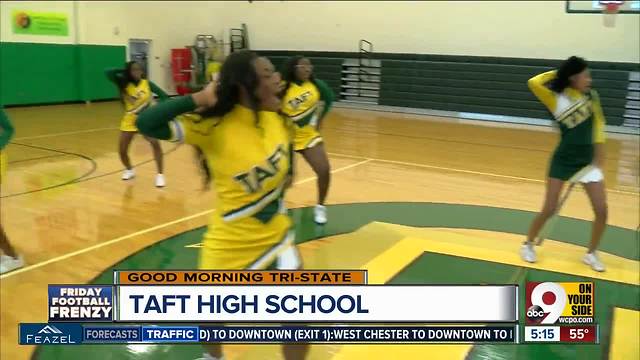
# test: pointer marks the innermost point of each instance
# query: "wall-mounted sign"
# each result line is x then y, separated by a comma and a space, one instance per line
40, 23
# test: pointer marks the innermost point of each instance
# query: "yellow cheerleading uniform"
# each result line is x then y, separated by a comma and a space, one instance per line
302, 103
136, 98
250, 163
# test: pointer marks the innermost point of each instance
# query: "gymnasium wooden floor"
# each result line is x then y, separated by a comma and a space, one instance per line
65, 208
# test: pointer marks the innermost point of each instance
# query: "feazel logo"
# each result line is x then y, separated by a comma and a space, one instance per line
50, 329
38, 334
562, 302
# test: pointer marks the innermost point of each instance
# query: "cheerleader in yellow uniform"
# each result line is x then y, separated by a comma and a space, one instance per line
136, 93
303, 94
568, 95
247, 146
10, 260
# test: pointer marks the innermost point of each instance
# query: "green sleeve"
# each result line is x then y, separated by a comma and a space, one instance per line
6, 129
154, 121
292, 155
326, 95
158, 91
114, 75
291, 127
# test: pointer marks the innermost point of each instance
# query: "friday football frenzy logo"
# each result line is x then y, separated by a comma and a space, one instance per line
559, 303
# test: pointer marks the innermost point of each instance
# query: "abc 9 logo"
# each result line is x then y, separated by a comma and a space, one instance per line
546, 298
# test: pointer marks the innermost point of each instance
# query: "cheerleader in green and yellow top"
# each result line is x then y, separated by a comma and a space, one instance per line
246, 144
136, 93
303, 94
575, 106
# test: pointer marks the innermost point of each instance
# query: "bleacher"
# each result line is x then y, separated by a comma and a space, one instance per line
485, 85
325, 68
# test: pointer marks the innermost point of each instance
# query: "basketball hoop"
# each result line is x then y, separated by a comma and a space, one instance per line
610, 12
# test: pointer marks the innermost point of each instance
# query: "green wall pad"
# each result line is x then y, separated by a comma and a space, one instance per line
33, 73
93, 60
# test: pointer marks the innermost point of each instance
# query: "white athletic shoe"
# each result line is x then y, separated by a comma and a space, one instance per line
528, 253
592, 260
128, 174
160, 182
8, 263
320, 214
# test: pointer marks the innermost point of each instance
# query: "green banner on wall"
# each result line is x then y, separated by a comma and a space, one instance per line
40, 23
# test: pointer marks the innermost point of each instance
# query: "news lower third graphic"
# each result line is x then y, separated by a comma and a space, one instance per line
192, 296
335, 307
77, 334
275, 303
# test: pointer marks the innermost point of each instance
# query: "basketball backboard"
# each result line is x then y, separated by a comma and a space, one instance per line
597, 6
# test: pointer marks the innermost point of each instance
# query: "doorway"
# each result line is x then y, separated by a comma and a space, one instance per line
139, 51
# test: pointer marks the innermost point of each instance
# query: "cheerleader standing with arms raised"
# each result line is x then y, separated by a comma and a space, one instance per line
247, 146
567, 94
136, 93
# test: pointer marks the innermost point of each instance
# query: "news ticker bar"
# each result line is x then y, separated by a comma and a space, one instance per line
571, 334
77, 334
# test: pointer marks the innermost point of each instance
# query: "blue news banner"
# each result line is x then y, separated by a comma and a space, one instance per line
68, 333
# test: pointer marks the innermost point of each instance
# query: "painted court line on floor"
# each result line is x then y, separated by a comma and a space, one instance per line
464, 171
335, 171
148, 230
361, 157
63, 133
